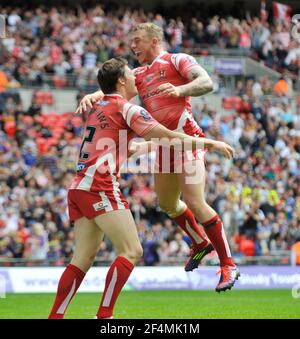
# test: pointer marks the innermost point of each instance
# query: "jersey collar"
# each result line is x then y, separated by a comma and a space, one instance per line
113, 95
157, 58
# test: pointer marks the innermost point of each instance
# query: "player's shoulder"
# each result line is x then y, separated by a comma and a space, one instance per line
177, 58
106, 103
125, 106
121, 103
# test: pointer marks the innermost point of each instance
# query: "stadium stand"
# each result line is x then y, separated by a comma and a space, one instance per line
38, 151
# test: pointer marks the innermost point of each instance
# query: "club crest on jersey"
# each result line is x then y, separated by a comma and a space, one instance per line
145, 115
162, 74
98, 206
80, 166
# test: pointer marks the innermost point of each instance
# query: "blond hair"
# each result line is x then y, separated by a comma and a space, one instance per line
151, 29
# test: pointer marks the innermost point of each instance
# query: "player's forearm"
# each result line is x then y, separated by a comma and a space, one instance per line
195, 143
139, 148
199, 86
165, 137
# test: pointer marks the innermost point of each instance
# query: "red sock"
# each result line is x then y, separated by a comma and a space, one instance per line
188, 223
116, 278
215, 232
67, 287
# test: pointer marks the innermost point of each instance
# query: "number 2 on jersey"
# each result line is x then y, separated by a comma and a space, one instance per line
88, 139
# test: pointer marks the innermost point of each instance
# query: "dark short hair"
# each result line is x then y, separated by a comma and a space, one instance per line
109, 73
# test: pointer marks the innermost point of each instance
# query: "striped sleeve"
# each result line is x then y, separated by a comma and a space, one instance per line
183, 63
138, 119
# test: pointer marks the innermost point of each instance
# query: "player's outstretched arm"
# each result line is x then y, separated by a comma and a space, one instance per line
88, 101
200, 83
177, 138
140, 148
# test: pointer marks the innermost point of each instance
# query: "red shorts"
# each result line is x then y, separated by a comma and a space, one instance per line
168, 160
91, 204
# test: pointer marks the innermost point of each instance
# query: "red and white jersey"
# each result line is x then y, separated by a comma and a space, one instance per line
171, 112
109, 127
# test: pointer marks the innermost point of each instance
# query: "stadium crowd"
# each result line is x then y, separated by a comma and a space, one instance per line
64, 46
38, 152
261, 211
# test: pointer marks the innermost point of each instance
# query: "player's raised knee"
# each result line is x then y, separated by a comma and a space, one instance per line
137, 252
84, 260
173, 210
168, 209
133, 254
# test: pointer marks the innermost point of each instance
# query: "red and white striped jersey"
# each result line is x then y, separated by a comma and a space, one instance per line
109, 127
171, 112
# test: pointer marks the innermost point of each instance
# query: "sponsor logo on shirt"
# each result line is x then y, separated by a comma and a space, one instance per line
150, 94
98, 206
80, 166
102, 102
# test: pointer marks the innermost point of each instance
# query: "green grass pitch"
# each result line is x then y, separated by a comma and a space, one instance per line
236, 304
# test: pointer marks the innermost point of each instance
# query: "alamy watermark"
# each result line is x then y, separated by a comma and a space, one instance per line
172, 156
296, 26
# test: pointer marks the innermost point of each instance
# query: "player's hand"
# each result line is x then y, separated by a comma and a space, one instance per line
86, 102
169, 89
223, 148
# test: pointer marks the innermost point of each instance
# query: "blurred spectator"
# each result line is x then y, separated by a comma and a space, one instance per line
295, 254
247, 246
38, 243
281, 87
164, 251
150, 247
178, 247
3, 81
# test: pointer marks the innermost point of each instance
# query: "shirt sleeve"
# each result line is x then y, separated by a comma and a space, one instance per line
184, 63
138, 119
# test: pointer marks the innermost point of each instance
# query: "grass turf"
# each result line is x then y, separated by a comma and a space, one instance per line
236, 304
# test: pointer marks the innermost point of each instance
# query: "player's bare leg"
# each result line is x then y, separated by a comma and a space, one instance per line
120, 227
193, 189
168, 190
88, 238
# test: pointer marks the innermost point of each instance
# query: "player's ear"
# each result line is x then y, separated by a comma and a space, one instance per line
154, 42
122, 81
